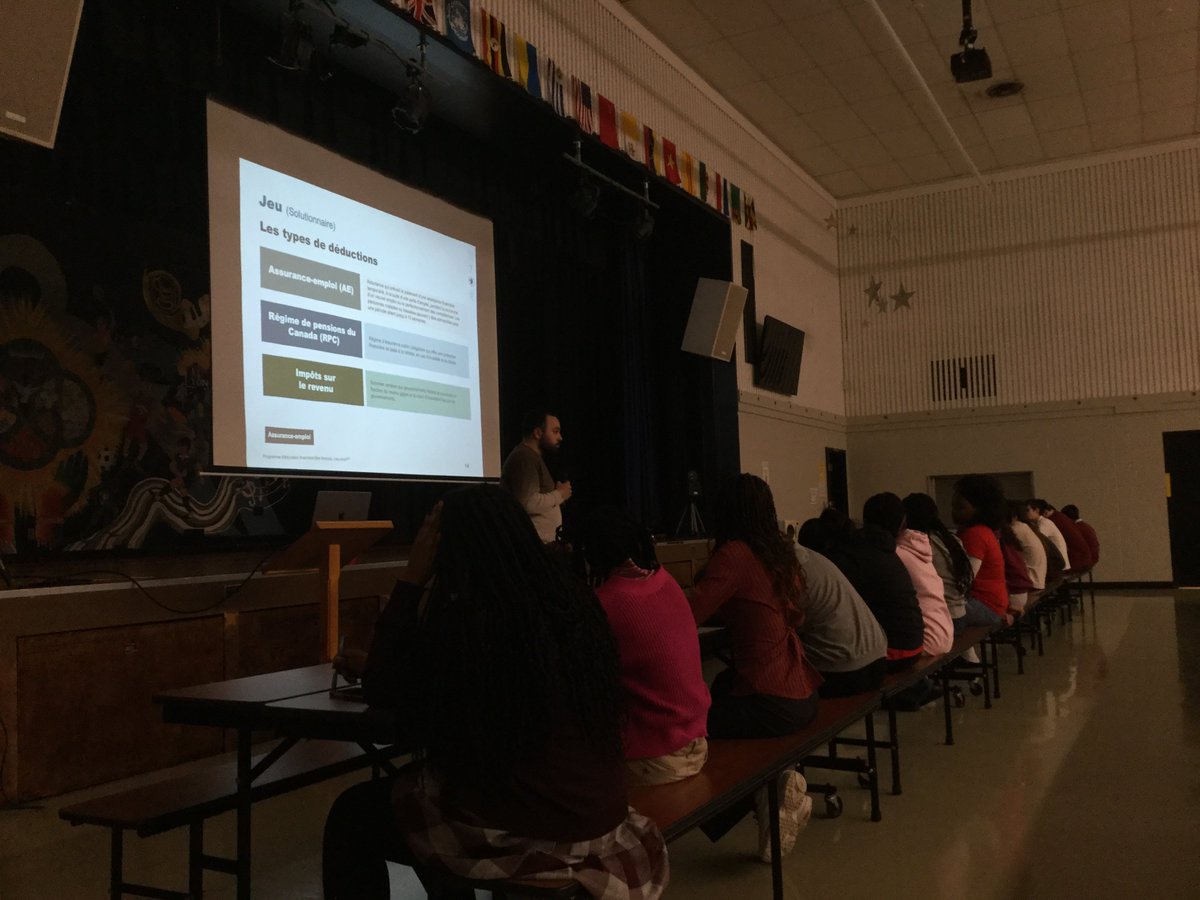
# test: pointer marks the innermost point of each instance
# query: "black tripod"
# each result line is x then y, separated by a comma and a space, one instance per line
691, 512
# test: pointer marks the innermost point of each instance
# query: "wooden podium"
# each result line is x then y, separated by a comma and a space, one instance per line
330, 545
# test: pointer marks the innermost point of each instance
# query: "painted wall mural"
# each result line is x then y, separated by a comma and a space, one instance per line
105, 415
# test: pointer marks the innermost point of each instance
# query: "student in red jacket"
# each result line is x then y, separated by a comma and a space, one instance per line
980, 510
666, 700
753, 585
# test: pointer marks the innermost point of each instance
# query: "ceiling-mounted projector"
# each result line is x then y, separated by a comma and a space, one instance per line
971, 64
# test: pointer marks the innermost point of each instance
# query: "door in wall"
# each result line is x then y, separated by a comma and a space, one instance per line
837, 489
1017, 486
1181, 457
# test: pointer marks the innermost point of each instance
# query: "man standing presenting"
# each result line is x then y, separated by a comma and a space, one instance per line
527, 478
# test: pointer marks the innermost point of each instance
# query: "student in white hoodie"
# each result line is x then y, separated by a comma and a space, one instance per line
886, 511
1033, 552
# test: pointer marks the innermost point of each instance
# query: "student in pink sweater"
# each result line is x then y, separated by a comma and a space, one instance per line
886, 511
666, 699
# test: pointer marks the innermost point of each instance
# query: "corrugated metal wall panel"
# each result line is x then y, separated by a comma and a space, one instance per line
1082, 283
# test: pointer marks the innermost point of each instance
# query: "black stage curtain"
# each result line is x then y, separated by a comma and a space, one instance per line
590, 318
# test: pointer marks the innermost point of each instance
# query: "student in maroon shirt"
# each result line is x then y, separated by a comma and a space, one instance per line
753, 585
1071, 511
1077, 546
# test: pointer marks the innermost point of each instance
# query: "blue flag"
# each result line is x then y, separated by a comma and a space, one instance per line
458, 25
534, 85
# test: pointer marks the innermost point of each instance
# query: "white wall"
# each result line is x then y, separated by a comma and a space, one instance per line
1106, 457
1081, 279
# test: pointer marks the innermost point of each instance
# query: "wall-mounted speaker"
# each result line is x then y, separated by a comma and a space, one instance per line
713, 323
37, 39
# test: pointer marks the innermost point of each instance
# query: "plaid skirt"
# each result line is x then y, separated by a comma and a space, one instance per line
627, 863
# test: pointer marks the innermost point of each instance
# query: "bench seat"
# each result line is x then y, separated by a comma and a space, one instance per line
192, 799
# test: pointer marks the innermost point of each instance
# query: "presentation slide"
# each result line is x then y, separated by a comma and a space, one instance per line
355, 328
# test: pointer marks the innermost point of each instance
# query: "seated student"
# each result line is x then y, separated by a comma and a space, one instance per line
1044, 526
1032, 558
979, 509
949, 557
1071, 511
753, 583
666, 699
868, 560
886, 511
840, 636
1079, 554
504, 677
1016, 574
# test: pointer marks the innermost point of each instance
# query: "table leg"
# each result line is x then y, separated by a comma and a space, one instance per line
245, 778
873, 773
776, 844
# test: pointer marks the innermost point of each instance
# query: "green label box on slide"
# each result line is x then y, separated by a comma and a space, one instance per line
303, 379
418, 396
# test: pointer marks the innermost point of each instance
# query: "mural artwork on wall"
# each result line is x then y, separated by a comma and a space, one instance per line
105, 415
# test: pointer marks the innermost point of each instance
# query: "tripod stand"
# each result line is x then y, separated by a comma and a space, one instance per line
691, 513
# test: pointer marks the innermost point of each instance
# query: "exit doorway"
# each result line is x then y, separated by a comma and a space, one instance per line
1017, 486
1181, 459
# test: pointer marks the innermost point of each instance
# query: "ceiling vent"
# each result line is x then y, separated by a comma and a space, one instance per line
1005, 89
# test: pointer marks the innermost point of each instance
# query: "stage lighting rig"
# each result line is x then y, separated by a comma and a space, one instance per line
413, 103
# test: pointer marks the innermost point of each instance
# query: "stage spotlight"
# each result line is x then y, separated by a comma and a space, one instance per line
295, 45
643, 225
586, 198
413, 103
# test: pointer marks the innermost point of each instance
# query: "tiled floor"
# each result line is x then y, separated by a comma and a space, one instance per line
1082, 781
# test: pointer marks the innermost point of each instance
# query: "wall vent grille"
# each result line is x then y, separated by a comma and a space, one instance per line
963, 378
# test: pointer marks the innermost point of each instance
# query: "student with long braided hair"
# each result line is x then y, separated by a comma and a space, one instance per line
503, 677
754, 584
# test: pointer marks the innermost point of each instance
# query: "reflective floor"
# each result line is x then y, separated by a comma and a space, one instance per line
1083, 780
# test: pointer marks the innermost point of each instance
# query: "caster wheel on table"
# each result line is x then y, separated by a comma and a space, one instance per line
976, 688
958, 698
833, 806
864, 781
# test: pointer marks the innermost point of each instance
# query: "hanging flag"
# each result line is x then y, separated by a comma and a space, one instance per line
702, 182
631, 135
424, 11
735, 203
535, 78
457, 19
751, 214
670, 162
607, 121
582, 101
725, 197
519, 57
554, 86
651, 150
495, 45
687, 172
